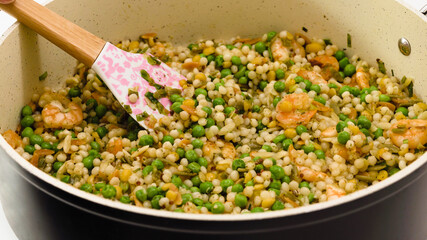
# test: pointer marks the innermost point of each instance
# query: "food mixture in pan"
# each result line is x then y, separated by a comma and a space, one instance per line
265, 124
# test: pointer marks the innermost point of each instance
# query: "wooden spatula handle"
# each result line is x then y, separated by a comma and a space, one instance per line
74, 40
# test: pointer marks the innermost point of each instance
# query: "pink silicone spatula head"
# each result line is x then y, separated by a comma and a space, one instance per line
138, 81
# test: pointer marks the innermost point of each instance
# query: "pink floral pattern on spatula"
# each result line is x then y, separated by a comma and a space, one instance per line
121, 70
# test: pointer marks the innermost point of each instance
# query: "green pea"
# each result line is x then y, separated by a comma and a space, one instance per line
236, 60
27, 132
158, 164
155, 201
27, 121
102, 131
238, 163
187, 197
91, 104
260, 47
301, 129
146, 140
196, 180
202, 161
132, 135
378, 133
194, 189
320, 154
316, 88
219, 60
250, 183
209, 122
277, 172
286, 179
206, 187
349, 70
218, 207
208, 110
100, 185
181, 152
304, 184
308, 148
320, 99
198, 131
279, 138
240, 200
275, 184
175, 97
343, 137
94, 145
176, 180
86, 187
230, 46
237, 188
26, 111
125, 199
259, 168
308, 84
147, 170
343, 62
280, 74
262, 85
225, 183
355, 91
152, 191
194, 167
197, 143
218, 84
225, 72
344, 89
191, 155
168, 138
365, 131
384, 98
339, 55
279, 86
74, 92
256, 108
36, 139
57, 165
198, 202
403, 110
241, 72
363, 122
286, 143
88, 162
100, 110
310, 197
66, 179
243, 80
229, 110
218, 101
199, 91
271, 35
108, 191
276, 100
176, 107
332, 85
257, 210
29, 149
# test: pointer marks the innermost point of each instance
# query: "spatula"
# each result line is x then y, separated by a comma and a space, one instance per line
124, 73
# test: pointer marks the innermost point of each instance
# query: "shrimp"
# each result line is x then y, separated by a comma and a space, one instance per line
294, 109
311, 175
280, 52
228, 151
412, 130
13, 139
362, 78
312, 76
209, 149
54, 115
325, 60
334, 192
298, 49
114, 146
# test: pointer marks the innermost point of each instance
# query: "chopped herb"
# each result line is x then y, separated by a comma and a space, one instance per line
381, 66
348, 40
142, 50
153, 61
304, 29
151, 97
146, 76
403, 80
43, 76
141, 116
161, 93
127, 109
327, 41
392, 72
270, 54
405, 141
290, 63
133, 90
411, 89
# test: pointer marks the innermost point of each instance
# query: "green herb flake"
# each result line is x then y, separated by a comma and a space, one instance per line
405, 141
348, 40
43, 76
127, 109
142, 50
381, 66
141, 116
327, 41
153, 61
133, 90
411, 89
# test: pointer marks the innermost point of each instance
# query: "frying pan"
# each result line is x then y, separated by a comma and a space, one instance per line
41, 207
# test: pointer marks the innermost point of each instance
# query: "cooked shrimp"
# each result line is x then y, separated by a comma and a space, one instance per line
294, 109
298, 49
362, 78
311, 175
280, 52
13, 139
412, 130
54, 115
209, 149
334, 192
312, 76
228, 151
324, 61
114, 146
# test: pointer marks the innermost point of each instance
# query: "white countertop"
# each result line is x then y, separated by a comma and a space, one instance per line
6, 21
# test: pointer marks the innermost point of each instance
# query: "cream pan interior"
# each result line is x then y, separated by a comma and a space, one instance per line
375, 27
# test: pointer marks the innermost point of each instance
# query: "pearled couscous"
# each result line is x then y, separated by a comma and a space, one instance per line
269, 123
